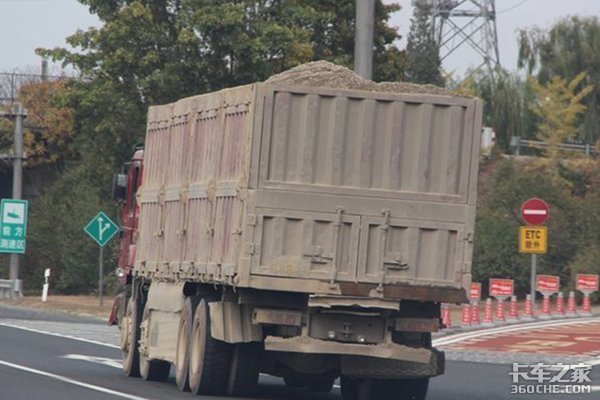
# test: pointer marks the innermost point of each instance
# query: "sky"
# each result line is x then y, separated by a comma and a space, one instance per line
28, 24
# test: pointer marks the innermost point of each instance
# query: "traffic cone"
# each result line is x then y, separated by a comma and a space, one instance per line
587, 305
513, 312
571, 306
488, 316
528, 313
446, 320
500, 316
545, 314
559, 308
475, 313
466, 316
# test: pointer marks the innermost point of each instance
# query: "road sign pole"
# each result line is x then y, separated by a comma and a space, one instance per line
101, 274
17, 177
533, 274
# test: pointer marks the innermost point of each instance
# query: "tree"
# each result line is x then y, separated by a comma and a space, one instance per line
506, 104
151, 52
423, 63
558, 105
566, 49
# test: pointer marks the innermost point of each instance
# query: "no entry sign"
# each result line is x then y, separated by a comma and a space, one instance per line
535, 211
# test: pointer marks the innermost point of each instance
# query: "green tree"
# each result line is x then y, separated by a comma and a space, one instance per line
558, 105
423, 63
566, 49
506, 104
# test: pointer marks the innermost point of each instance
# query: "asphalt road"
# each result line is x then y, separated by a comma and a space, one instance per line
59, 357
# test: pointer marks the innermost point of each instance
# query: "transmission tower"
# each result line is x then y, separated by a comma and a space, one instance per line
461, 23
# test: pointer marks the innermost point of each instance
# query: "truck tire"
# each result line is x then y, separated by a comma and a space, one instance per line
245, 366
184, 334
152, 370
130, 335
209, 358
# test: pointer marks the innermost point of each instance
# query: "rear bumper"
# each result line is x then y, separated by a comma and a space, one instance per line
362, 360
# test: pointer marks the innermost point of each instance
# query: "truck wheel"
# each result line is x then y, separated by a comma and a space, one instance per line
184, 334
245, 366
130, 335
209, 358
152, 370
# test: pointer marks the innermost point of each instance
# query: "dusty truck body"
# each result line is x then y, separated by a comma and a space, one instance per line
309, 233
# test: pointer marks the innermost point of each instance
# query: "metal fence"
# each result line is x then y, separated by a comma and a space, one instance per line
11, 82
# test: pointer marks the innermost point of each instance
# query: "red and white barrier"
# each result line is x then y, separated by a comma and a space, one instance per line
513, 311
466, 316
446, 319
488, 316
571, 305
559, 307
475, 321
528, 312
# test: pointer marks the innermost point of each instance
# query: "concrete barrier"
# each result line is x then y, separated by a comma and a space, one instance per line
10, 289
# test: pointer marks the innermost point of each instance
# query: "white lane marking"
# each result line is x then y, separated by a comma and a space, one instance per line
109, 362
595, 388
60, 335
594, 362
505, 329
72, 381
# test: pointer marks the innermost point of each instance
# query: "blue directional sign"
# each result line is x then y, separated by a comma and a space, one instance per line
13, 226
101, 229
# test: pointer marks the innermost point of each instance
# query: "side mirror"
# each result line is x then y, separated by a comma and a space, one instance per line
119, 189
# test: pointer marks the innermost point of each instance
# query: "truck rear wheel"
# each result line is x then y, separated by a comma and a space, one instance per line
130, 335
209, 358
245, 365
184, 334
152, 370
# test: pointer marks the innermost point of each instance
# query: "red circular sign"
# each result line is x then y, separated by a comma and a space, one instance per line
535, 211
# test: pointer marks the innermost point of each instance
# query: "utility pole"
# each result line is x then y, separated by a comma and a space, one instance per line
18, 113
363, 38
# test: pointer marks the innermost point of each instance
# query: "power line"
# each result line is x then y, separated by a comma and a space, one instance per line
513, 7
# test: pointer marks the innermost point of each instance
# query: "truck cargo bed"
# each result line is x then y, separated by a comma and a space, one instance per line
312, 190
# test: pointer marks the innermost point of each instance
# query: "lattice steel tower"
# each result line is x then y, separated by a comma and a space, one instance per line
461, 23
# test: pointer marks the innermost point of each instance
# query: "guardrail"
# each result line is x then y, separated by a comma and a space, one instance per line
10, 288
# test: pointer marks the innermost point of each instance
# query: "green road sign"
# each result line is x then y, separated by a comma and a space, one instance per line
101, 229
13, 226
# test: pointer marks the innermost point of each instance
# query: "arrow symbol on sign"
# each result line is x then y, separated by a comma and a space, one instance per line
101, 229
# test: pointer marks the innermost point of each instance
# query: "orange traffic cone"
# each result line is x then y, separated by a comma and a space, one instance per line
513, 312
488, 316
571, 306
528, 313
500, 316
587, 305
545, 314
475, 313
559, 308
466, 316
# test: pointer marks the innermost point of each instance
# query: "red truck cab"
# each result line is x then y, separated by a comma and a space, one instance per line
125, 189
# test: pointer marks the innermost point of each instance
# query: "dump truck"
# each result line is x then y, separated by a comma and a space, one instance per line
307, 227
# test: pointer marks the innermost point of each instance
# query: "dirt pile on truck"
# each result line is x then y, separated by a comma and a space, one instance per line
329, 75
